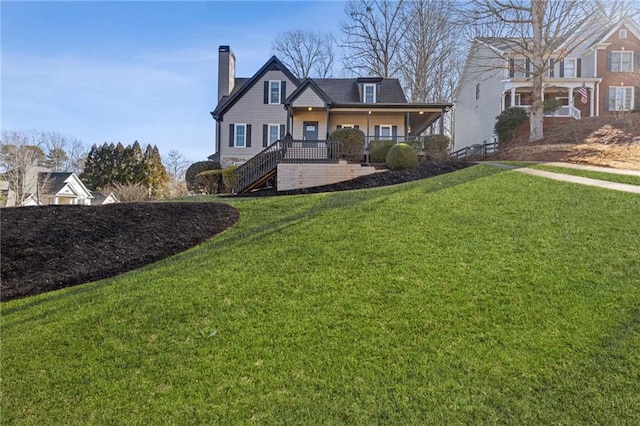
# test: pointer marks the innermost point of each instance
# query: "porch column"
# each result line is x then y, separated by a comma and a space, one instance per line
328, 125
570, 96
406, 127
592, 101
513, 97
442, 122
368, 115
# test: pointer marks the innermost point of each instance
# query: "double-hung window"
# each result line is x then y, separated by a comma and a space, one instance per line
570, 68
274, 133
519, 67
622, 61
240, 138
620, 98
385, 132
369, 93
274, 92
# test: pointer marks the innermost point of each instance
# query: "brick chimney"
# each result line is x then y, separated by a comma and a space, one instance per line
226, 71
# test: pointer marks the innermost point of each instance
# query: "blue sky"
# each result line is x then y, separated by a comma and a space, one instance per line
146, 71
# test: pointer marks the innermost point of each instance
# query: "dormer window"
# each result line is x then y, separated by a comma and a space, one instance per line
369, 93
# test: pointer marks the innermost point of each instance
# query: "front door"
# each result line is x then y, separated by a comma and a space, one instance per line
310, 131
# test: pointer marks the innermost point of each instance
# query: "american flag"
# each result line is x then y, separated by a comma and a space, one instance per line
583, 93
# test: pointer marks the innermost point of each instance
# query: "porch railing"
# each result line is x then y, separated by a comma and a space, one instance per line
475, 151
563, 111
264, 165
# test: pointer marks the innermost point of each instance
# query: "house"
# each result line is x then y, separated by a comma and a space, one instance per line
254, 113
100, 198
603, 65
62, 188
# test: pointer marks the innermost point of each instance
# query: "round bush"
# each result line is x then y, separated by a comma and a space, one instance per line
351, 144
402, 156
378, 150
437, 146
198, 167
507, 123
210, 181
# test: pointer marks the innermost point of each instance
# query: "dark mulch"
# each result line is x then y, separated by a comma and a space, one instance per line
52, 247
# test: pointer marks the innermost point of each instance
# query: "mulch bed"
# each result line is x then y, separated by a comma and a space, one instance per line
51, 247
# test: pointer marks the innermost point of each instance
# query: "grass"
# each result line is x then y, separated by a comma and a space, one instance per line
482, 296
611, 177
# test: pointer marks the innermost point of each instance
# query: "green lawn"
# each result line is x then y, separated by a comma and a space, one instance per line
612, 177
482, 296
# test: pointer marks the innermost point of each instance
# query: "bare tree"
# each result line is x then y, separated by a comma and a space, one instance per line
20, 160
305, 53
538, 30
615, 10
372, 34
176, 165
64, 153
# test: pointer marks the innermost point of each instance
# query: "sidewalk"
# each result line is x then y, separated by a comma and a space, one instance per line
625, 187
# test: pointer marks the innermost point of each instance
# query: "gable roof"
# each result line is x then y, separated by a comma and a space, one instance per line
308, 83
272, 64
57, 181
609, 31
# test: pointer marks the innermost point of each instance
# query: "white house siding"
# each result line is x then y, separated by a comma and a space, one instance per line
475, 118
251, 109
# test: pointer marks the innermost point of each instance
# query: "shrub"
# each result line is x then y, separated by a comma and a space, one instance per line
351, 144
378, 150
198, 167
228, 178
551, 105
402, 156
209, 181
437, 147
128, 192
507, 123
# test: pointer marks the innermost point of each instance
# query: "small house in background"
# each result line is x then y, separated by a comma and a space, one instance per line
62, 188
100, 199
31, 200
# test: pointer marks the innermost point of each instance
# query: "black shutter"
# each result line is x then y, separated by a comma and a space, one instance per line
265, 135
552, 64
636, 98
248, 136
608, 61
607, 99
528, 66
266, 92
378, 92
376, 131
283, 91
283, 129
561, 69
339, 126
636, 60
394, 132
578, 67
512, 68
356, 127
231, 129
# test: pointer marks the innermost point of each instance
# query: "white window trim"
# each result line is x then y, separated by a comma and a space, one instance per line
518, 70
518, 99
364, 94
279, 92
622, 33
386, 126
235, 135
622, 52
631, 100
575, 67
269, 127
348, 126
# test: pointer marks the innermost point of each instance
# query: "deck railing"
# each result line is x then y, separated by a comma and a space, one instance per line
282, 151
475, 151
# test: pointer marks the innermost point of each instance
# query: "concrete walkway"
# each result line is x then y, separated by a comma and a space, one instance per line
625, 187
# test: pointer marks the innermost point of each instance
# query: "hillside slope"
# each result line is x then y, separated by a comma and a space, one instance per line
599, 141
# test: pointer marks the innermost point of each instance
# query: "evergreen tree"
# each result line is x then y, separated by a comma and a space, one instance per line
156, 174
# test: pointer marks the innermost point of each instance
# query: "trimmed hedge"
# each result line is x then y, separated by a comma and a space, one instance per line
402, 156
507, 123
194, 169
210, 181
228, 178
351, 144
378, 150
437, 147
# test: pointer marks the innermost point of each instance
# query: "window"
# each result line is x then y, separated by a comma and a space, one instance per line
570, 68
477, 91
274, 92
621, 61
385, 132
622, 33
274, 133
240, 136
346, 126
620, 98
370, 93
519, 67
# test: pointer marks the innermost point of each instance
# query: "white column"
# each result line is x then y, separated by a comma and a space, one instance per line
513, 96
592, 101
571, 96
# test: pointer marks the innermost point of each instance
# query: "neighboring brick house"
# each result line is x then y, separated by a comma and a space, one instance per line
495, 77
253, 113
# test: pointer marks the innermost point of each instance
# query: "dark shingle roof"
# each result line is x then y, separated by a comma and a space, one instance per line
55, 181
345, 90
